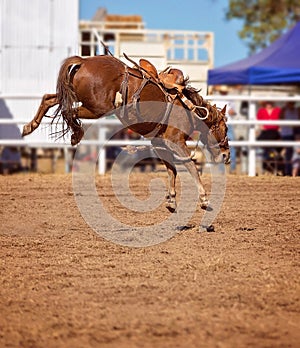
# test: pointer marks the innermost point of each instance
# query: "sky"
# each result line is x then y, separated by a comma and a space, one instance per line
197, 15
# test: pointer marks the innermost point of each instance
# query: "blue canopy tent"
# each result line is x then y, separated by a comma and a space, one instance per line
277, 64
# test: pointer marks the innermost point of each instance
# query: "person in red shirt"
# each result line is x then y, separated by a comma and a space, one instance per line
269, 112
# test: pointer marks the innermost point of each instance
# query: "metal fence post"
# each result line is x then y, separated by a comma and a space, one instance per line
251, 138
102, 151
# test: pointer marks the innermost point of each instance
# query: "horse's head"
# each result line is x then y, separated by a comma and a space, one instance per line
216, 137
213, 125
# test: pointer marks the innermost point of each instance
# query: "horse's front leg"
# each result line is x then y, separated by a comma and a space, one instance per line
192, 168
48, 101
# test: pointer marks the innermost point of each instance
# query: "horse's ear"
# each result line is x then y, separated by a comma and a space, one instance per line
224, 110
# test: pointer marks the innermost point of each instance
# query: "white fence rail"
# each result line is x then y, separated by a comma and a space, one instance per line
251, 143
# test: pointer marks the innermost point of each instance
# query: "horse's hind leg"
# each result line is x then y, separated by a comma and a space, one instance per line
75, 125
48, 101
171, 204
84, 113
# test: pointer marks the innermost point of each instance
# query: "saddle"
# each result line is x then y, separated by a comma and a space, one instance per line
169, 78
172, 78
148, 68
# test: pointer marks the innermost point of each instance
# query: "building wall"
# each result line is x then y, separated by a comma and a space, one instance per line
35, 37
190, 51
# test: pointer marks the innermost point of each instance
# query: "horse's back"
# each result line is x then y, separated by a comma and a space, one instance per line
103, 62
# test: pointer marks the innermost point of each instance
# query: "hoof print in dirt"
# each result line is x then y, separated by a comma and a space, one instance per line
246, 229
209, 228
185, 227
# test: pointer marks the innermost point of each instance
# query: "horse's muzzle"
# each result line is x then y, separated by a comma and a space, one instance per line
227, 160
223, 157
226, 157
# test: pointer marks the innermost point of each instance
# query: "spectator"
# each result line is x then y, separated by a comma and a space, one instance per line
10, 160
268, 112
230, 113
288, 112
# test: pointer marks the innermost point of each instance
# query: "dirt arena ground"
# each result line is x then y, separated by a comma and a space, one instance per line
62, 285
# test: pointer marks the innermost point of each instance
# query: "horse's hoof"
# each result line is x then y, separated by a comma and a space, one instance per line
74, 141
30, 127
206, 207
171, 206
26, 130
210, 228
171, 209
77, 136
204, 202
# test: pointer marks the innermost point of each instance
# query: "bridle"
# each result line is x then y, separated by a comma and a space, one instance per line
215, 130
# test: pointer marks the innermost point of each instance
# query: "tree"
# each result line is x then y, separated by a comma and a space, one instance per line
264, 20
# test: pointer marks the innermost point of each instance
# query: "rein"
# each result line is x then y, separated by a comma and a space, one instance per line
194, 107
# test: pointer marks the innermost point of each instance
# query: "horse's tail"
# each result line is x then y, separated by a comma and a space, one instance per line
65, 91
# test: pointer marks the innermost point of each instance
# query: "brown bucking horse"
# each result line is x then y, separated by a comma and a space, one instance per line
161, 107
